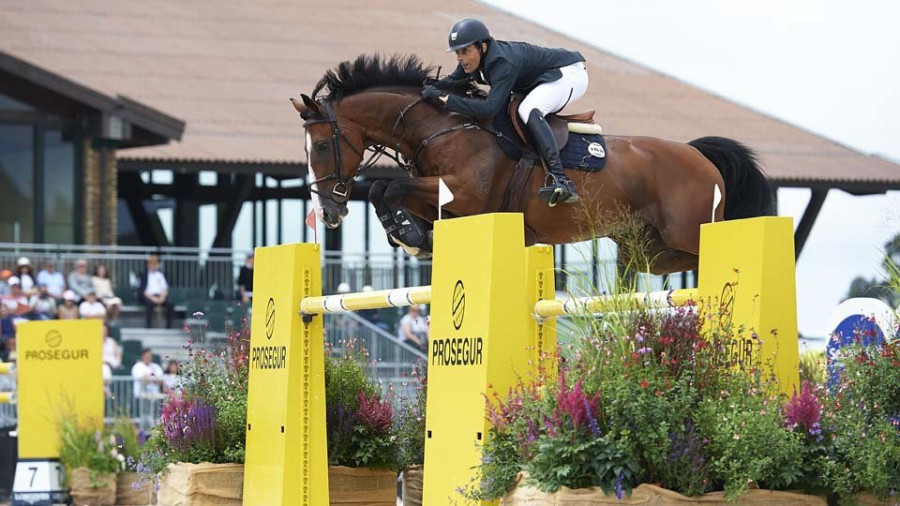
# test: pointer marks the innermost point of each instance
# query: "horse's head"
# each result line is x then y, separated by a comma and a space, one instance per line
332, 154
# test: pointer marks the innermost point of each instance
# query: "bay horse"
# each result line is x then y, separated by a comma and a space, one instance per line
373, 104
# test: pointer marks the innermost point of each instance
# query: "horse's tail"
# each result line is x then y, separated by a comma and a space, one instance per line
747, 191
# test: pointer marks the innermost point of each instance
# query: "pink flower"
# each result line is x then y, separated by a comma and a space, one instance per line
803, 410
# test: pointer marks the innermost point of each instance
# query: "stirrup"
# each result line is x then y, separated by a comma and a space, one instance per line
558, 189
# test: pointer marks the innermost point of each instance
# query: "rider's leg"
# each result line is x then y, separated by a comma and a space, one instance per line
545, 99
558, 187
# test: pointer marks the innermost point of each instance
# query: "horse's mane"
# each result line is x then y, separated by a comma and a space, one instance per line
372, 71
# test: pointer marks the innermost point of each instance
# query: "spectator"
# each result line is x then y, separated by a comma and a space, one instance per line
413, 328
80, 280
52, 279
7, 324
103, 288
147, 375
7, 334
245, 280
16, 301
112, 359
43, 305
172, 378
4, 281
112, 352
26, 276
154, 291
91, 307
68, 310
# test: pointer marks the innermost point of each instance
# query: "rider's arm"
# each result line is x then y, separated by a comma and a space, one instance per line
452, 79
502, 79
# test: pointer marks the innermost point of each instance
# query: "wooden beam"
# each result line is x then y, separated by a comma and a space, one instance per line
816, 201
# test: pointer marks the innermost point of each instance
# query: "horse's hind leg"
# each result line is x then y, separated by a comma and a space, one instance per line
665, 259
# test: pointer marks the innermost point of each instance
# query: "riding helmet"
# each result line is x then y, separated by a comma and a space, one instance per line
466, 32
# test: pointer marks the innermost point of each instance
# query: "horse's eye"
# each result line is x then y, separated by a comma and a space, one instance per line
322, 146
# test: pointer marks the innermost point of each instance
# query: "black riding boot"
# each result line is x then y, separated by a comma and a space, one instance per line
558, 188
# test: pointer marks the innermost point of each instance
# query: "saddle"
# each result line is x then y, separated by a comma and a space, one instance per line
587, 152
560, 124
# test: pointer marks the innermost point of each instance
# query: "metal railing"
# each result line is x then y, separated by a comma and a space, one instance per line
391, 361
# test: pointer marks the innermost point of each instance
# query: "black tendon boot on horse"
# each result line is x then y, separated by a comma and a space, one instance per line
558, 188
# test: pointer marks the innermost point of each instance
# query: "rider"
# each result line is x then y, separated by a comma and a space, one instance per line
550, 78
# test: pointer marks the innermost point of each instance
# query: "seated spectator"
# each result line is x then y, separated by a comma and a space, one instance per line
4, 281
103, 289
154, 291
80, 281
43, 305
7, 331
7, 325
68, 310
91, 307
26, 276
414, 328
172, 377
147, 375
52, 279
16, 301
245, 280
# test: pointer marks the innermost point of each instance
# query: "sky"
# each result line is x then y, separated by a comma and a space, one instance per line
826, 66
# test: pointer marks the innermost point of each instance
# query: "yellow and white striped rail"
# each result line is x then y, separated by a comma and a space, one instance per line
401, 297
590, 305
342, 303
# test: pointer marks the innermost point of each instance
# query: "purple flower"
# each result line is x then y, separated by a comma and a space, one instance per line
620, 491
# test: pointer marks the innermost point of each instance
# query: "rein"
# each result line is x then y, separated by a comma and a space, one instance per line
340, 191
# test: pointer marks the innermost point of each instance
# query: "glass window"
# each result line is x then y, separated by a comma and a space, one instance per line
16, 183
59, 188
8, 103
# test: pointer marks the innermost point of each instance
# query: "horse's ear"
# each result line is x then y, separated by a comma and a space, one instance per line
308, 104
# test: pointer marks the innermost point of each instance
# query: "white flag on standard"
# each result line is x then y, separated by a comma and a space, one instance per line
717, 197
445, 196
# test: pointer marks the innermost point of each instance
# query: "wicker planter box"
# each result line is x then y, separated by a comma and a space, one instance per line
412, 485
202, 485
651, 495
126, 495
82, 493
362, 486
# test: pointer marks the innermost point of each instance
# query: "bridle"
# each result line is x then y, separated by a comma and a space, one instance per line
340, 191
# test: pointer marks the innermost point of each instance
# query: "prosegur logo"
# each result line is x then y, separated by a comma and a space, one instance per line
53, 338
270, 318
458, 309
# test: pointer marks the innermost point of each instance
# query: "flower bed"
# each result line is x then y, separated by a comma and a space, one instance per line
663, 399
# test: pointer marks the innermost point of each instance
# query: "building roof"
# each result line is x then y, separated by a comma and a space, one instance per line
227, 70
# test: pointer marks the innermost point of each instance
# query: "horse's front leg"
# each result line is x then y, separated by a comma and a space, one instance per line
393, 228
410, 199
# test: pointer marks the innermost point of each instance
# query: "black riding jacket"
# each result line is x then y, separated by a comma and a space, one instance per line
508, 67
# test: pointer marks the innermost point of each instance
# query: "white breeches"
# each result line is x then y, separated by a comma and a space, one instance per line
552, 97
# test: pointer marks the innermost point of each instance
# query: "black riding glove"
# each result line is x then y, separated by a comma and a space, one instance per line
444, 84
431, 94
